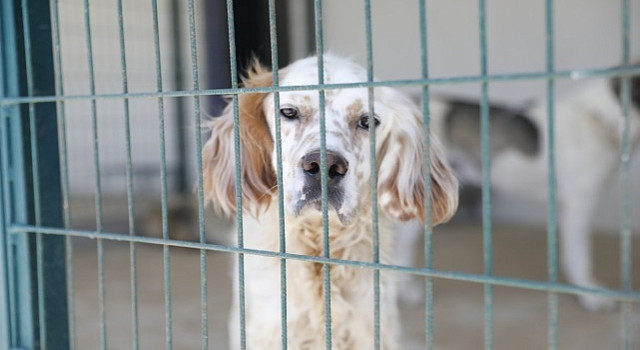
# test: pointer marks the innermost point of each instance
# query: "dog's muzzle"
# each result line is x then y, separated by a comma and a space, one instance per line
337, 168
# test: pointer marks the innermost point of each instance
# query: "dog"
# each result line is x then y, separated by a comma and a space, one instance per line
401, 191
587, 139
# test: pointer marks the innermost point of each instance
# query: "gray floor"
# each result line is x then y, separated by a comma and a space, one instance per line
520, 316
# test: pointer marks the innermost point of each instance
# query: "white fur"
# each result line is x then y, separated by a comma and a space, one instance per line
401, 178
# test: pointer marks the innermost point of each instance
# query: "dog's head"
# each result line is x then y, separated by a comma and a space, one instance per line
399, 149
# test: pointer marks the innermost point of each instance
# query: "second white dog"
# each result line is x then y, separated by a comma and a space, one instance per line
587, 124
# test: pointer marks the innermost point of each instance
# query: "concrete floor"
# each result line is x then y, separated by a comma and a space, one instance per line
520, 316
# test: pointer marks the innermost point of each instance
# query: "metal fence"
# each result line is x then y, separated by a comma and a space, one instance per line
36, 254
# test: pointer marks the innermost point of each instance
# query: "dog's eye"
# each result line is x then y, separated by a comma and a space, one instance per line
289, 112
363, 123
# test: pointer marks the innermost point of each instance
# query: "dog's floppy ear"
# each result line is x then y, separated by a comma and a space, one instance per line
401, 175
256, 145
444, 186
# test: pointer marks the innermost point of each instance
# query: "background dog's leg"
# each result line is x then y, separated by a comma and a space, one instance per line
410, 287
576, 249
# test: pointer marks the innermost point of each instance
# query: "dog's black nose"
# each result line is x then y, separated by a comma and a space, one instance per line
336, 164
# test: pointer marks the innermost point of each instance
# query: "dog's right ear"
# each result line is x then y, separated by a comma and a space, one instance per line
256, 145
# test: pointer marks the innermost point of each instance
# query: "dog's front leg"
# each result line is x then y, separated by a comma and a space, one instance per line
410, 289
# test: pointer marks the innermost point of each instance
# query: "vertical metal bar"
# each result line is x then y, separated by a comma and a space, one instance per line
374, 177
487, 234
129, 175
8, 329
204, 317
23, 326
5, 330
238, 169
625, 182
5, 303
273, 38
64, 168
181, 128
22, 319
552, 221
163, 184
98, 185
323, 171
426, 123
35, 175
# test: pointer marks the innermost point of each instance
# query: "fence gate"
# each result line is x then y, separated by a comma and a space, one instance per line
33, 306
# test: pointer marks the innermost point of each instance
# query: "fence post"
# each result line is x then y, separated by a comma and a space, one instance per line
5, 330
35, 267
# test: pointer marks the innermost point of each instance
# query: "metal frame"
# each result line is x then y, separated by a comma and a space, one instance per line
35, 237
37, 300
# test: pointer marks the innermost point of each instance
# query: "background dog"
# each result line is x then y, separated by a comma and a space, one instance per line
587, 141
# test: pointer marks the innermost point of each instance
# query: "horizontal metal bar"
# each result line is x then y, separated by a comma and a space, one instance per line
564, 74
631, 296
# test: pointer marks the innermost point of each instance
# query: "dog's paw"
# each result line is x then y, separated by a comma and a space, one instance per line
596, 303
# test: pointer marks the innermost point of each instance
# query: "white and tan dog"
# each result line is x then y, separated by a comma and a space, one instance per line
587, 144
401, 190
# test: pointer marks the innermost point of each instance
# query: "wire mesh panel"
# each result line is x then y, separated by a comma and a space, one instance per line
87, 137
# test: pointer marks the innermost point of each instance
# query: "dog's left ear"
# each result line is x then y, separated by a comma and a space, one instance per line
401, 174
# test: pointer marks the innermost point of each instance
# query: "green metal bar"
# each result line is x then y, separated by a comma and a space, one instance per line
129, 175
323, 172
273, 38
632, 296
238, 169
552, 221
22, 328
487, 235
374, 178
5, 325
181, 127
428, 232
64, 169
527, 76
22, 319
204, 317
166, 264
625, 182
35, 175
5, 300
98, 185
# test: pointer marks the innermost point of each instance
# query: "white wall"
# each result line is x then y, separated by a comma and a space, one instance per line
144, 112
587, 35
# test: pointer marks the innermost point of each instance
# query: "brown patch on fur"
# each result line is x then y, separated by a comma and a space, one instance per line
389, 184
441, 209
258, 177
406, 207
354, 110
307, 113
214, 157
306, 110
